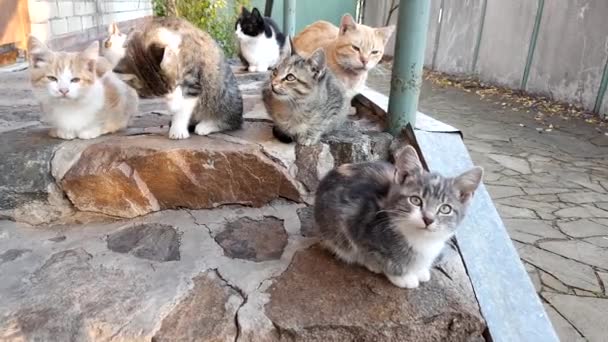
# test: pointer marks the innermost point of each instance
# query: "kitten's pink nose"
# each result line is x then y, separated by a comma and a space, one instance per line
64, 91
427, 220
364, 61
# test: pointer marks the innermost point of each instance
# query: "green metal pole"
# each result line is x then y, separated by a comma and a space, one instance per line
409, 59
289, 17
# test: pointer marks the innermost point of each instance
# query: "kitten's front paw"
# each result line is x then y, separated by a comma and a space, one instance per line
89, 134
424, 276
252, 68
205, 128
177, 133
66, 135
408, 281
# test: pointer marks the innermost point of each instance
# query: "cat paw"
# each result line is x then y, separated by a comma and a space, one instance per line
177, 133
205, 128
66, 135
252, 68
424, 276
408, 281
373, 268
89, 134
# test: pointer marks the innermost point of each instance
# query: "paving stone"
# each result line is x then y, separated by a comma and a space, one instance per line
602, 205
584, 293
552, 282
255, 240
604, 278
533, 273
187, 322
568, 271
579, 250
600, 241
12, 254
531, 230
517, 164
543, 191
587, 314
583, 211
513, 212
582, 228
497, 191
564, 329
150, 241
583, 197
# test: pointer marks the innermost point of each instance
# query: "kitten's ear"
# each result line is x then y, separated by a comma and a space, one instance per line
288, 49
113, 29
347, 24
90, 55
385, 33
468, 182
39, 54
317, 62
256, 12
407, 162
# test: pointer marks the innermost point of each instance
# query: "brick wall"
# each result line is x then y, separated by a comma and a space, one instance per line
65, 24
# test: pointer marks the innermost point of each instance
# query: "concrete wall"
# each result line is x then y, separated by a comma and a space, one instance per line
54, 21
567, 62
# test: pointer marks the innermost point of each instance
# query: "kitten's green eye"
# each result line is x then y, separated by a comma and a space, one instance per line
375, 52
415, 200
356, 48
445, 209
75, 80
52, 78
290, 77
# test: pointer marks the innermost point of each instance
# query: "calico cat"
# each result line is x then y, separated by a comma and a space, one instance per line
260, 40
113, 46
392, 219
172, 58
75, 101
352, 49
304, 98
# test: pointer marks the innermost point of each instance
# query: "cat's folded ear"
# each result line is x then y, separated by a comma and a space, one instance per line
317, 62
468, 182
407, 162
38, 53
347, 23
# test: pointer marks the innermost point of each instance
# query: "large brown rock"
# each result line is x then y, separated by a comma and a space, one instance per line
321, 299
132, 176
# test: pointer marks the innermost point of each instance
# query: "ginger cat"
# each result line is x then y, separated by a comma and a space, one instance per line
351, 50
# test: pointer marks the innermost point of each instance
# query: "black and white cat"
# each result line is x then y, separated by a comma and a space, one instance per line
260, 40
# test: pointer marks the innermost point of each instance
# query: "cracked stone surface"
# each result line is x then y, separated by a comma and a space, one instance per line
255, 240
147, 241
550, 188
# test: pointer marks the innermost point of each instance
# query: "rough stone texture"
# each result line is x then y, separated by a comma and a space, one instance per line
253, 240
206, 314
582, 228
132, 176
352, 146
587, 314
313, 162
147, 241
579, 250
307, 223
331, 310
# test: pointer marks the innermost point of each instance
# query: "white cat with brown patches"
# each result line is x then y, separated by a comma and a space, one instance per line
76, 102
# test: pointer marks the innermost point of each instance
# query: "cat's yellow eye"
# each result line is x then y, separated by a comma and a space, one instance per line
415, 200
356, 48
290, 77
52, 78
375, 52
75, 80
445, 209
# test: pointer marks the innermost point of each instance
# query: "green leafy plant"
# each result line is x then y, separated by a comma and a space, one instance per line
217, 17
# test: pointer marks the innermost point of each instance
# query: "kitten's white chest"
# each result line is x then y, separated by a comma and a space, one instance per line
260, 51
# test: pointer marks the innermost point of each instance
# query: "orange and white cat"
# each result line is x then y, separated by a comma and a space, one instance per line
351, 50
76, 101
113, 46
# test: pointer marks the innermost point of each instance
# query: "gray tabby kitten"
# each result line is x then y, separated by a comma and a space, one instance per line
392, 220
304, 98
170, 57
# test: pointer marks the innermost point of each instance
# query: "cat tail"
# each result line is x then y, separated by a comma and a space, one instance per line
281, 136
